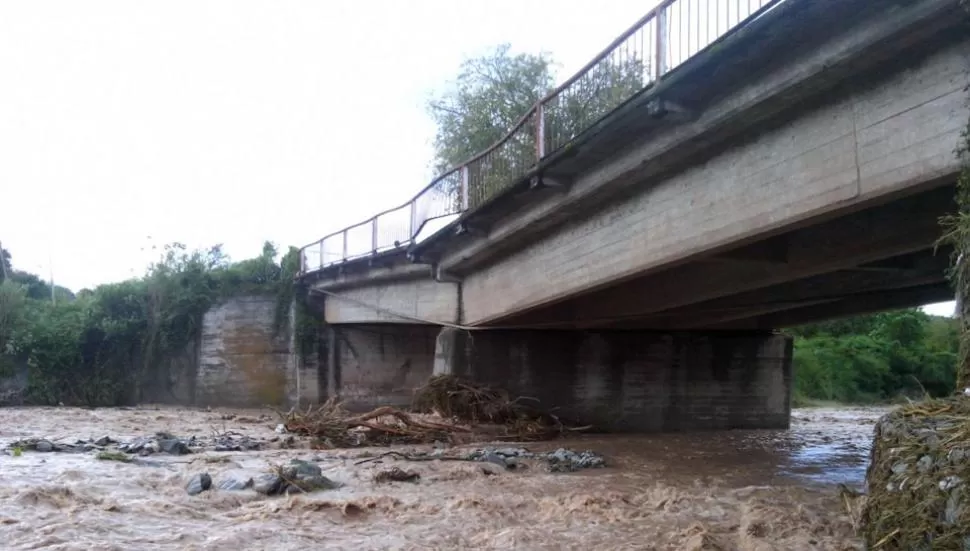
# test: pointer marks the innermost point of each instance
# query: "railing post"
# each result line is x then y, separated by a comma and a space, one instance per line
540, 132
464, 188
660, 63
373, 235
414, 218
323, 258
345, 245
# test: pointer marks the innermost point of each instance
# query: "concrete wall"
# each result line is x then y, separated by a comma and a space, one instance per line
418, 299
634, 381
243, 362
382, 364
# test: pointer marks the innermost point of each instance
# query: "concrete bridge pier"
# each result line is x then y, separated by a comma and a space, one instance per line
634, 381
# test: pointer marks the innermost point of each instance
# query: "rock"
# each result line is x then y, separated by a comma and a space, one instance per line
950, 482
957, 456
299, 468
490, 469
280, 429
563, 460
306, 484
900, 468
174, 446
302, 477
924, 464
198, 484
44, 446
495, 459
236, 481
103, 441
267, 484
396, 474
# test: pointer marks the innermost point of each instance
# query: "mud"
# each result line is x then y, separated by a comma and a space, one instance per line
746, 490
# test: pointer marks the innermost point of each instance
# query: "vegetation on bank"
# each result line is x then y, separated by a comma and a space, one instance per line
103, 346
877, 357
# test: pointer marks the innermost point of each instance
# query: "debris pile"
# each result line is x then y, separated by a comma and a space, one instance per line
449, 396
335, 427
919, 478
520, 418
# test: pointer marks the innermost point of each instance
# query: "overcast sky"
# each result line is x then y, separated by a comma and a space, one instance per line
129, 123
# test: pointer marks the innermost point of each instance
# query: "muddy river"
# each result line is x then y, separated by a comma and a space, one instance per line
750, 490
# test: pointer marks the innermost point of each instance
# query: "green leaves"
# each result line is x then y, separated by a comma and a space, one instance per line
106, 345
876, 357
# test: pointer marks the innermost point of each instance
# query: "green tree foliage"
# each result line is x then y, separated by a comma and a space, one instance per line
493, 93
109, 343
876, 357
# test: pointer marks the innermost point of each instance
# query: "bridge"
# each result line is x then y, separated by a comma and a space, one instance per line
629, 251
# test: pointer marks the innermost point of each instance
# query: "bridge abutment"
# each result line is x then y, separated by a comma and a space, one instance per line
634, 381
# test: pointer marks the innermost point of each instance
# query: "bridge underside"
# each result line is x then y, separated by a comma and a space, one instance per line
881, 257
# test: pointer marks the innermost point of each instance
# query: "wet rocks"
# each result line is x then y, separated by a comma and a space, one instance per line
268, 484
161, 442
41, 445
396, 474
917, 492
302, 477
198, 484
566, 461
232, 442
297, 477
561, 460
236, 481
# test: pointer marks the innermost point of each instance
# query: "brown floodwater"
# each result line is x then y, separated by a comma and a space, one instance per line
745, 490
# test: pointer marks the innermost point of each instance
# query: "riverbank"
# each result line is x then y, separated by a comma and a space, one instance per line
728, 490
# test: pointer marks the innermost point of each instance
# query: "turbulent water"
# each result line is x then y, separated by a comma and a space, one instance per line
750, 490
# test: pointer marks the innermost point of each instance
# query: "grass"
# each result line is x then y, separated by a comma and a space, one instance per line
114, 456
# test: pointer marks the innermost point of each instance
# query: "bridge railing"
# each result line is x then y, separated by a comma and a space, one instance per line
667, 36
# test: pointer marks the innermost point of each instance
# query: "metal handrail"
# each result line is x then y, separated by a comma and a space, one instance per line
667, 36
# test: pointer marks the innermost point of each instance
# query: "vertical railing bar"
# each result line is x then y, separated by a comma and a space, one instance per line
373, 234
464, 188
661, 46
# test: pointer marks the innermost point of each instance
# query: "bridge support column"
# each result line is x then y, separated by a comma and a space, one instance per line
634, 381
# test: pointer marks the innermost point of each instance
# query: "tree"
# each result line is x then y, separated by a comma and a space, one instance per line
876, 357
494, 92
5, 265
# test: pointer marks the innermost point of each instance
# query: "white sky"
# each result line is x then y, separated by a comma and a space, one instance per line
130, 123
234, 121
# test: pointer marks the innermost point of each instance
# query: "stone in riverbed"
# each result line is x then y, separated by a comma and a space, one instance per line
302, 477
44, 446
267, 484
198, 484
236, 482
174, 446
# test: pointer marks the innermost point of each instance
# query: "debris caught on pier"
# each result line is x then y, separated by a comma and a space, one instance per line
447, 409
919, 478
521, 418
336, 427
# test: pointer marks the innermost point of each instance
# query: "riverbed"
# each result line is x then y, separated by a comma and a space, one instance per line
745, 490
